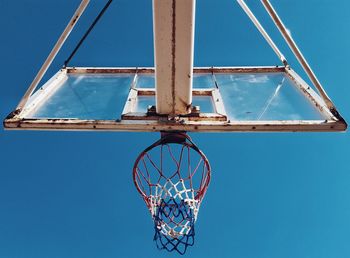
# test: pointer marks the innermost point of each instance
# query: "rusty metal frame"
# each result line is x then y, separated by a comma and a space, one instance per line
20, 121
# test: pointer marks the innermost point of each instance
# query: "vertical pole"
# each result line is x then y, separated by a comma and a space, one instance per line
52, 55
173, 22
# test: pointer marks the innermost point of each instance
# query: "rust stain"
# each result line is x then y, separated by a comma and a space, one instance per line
173, 54
75, 20
196, 70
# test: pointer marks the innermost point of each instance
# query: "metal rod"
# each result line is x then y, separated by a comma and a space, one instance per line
52, 55
293, 46
262, 31
87, 32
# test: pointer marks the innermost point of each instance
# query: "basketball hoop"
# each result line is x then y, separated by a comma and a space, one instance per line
172, 176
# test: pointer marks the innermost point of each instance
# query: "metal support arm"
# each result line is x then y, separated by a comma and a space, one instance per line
293, 46
262, 31
62, 39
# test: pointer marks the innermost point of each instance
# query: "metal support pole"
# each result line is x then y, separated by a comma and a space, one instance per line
52, 55
174, 26
293, 46
262, 31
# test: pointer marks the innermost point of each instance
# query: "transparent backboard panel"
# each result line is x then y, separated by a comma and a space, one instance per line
145, 81
264, 96
203, 81
204, 102
143, 102
200, 81
246, 97
100, 97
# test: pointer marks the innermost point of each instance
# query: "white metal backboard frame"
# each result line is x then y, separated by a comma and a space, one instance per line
202, 122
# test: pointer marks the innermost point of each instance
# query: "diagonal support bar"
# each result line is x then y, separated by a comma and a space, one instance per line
92, 26
262, 31
293, 46
62, 39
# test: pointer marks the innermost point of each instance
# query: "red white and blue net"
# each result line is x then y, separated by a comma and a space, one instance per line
172, 176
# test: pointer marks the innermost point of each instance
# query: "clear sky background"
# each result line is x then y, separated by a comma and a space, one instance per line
70, 194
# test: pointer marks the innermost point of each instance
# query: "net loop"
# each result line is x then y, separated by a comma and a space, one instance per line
172, 175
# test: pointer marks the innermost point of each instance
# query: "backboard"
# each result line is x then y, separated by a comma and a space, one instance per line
230, 99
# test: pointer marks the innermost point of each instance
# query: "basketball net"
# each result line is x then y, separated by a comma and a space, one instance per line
172, 176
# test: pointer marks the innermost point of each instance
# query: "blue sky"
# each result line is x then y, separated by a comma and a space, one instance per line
70, 194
